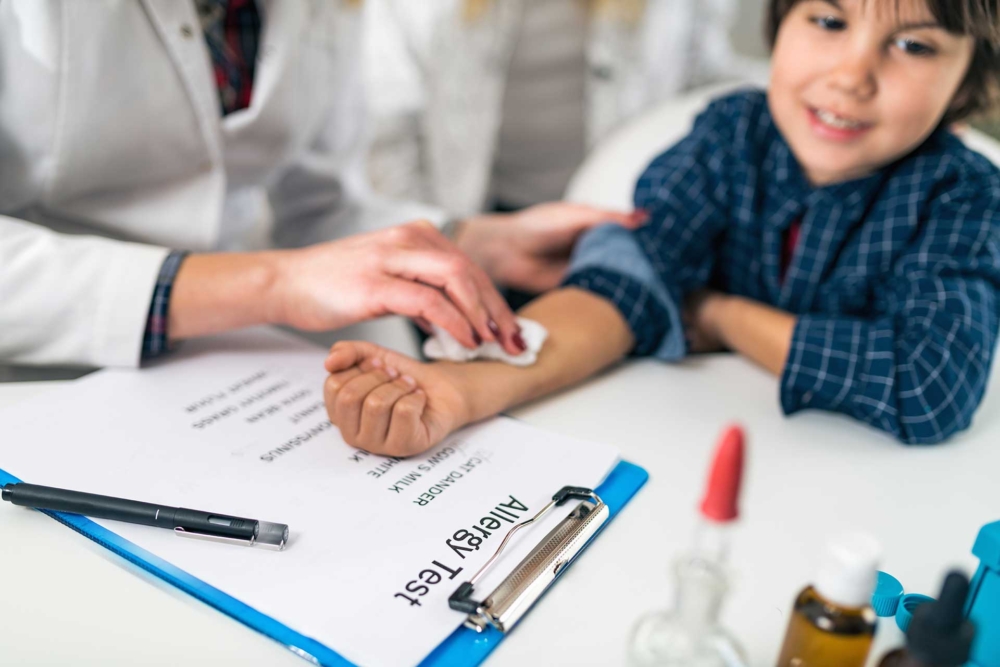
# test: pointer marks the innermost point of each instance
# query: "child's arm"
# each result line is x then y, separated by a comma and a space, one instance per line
758, 331
918, 371
624, 292
388, 403
919, 368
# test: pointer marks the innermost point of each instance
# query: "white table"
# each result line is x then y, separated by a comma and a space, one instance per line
64, 600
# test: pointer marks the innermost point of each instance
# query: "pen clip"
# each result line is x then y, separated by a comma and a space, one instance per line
208, 537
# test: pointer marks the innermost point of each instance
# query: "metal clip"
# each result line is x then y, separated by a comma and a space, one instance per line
208, 537
521, 589
271, 536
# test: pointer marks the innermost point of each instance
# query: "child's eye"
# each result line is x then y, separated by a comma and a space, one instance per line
914, 48
829, 22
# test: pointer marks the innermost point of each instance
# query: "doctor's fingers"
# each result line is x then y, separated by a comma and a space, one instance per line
414, 299
349, 400
461, 280
502, 326
587, 216
466, 285
377, 409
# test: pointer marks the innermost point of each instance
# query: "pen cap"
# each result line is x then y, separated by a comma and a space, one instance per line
271, 534
722, 493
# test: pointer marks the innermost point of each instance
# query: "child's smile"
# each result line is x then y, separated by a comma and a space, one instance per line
857, 84
834, 126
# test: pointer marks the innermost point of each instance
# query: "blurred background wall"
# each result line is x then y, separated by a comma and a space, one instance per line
748, 34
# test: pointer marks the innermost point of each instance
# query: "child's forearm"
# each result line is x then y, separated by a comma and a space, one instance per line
586, 334
759, 332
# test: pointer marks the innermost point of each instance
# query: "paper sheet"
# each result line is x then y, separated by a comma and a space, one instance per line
236, 425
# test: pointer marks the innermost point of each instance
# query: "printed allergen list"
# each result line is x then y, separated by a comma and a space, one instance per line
423, 480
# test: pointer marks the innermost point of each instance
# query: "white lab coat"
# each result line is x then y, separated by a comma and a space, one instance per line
110, 127
436, 82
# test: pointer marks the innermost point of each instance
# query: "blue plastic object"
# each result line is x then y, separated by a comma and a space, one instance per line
983, 607
885, 599
907, 604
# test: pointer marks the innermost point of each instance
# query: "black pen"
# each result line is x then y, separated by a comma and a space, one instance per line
184, 522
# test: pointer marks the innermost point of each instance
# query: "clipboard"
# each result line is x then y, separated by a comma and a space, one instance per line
465, 646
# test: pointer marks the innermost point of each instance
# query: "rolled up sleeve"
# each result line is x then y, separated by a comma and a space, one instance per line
609, 263
647, 272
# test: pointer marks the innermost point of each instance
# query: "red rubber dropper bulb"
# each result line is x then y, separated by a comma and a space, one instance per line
721, 501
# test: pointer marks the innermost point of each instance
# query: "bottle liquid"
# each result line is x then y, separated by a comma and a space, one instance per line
689, 635
832, 623
939, 635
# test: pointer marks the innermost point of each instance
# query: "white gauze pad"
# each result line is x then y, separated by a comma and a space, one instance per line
442, 345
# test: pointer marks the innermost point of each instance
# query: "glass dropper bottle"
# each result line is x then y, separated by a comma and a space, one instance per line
689, 635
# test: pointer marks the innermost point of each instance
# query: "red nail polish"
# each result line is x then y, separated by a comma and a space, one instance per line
476, 337
494, 328
519, 341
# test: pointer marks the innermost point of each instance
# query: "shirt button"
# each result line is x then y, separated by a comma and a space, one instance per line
806, 397
186, 31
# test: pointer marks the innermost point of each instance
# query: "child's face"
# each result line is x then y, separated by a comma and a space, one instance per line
856, 84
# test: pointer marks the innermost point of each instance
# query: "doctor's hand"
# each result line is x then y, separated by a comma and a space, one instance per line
410, 270
530, 249
389, 404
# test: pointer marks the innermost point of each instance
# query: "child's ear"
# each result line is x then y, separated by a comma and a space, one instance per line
961, 101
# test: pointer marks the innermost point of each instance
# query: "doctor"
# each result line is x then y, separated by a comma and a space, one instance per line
172, 169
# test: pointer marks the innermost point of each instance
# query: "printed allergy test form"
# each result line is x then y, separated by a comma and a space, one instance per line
236, 424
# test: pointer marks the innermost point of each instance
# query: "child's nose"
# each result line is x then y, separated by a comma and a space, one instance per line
854, 74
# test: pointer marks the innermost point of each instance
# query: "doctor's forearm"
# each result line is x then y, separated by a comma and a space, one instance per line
218, 292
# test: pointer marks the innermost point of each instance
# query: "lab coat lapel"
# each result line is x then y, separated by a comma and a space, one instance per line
281, 20
283, 25
180, 30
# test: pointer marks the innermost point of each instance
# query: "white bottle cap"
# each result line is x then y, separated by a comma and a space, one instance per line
849, 569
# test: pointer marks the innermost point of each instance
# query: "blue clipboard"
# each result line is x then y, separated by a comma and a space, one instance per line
463, 647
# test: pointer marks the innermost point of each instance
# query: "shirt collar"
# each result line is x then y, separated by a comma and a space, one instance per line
791, 182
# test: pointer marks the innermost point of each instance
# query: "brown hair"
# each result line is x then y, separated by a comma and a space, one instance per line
980, 19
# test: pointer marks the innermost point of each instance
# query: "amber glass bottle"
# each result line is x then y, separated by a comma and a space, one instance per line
832, 624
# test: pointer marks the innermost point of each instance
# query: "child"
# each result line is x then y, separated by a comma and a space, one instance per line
832, 230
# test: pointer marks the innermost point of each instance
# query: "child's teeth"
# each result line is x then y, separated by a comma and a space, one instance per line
834, 120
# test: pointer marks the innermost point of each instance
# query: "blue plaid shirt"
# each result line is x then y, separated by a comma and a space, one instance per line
894, 279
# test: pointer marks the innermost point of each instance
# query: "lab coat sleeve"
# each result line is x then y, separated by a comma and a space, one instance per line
72, 300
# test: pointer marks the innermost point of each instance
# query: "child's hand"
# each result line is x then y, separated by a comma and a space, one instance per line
387, 403
700, 318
